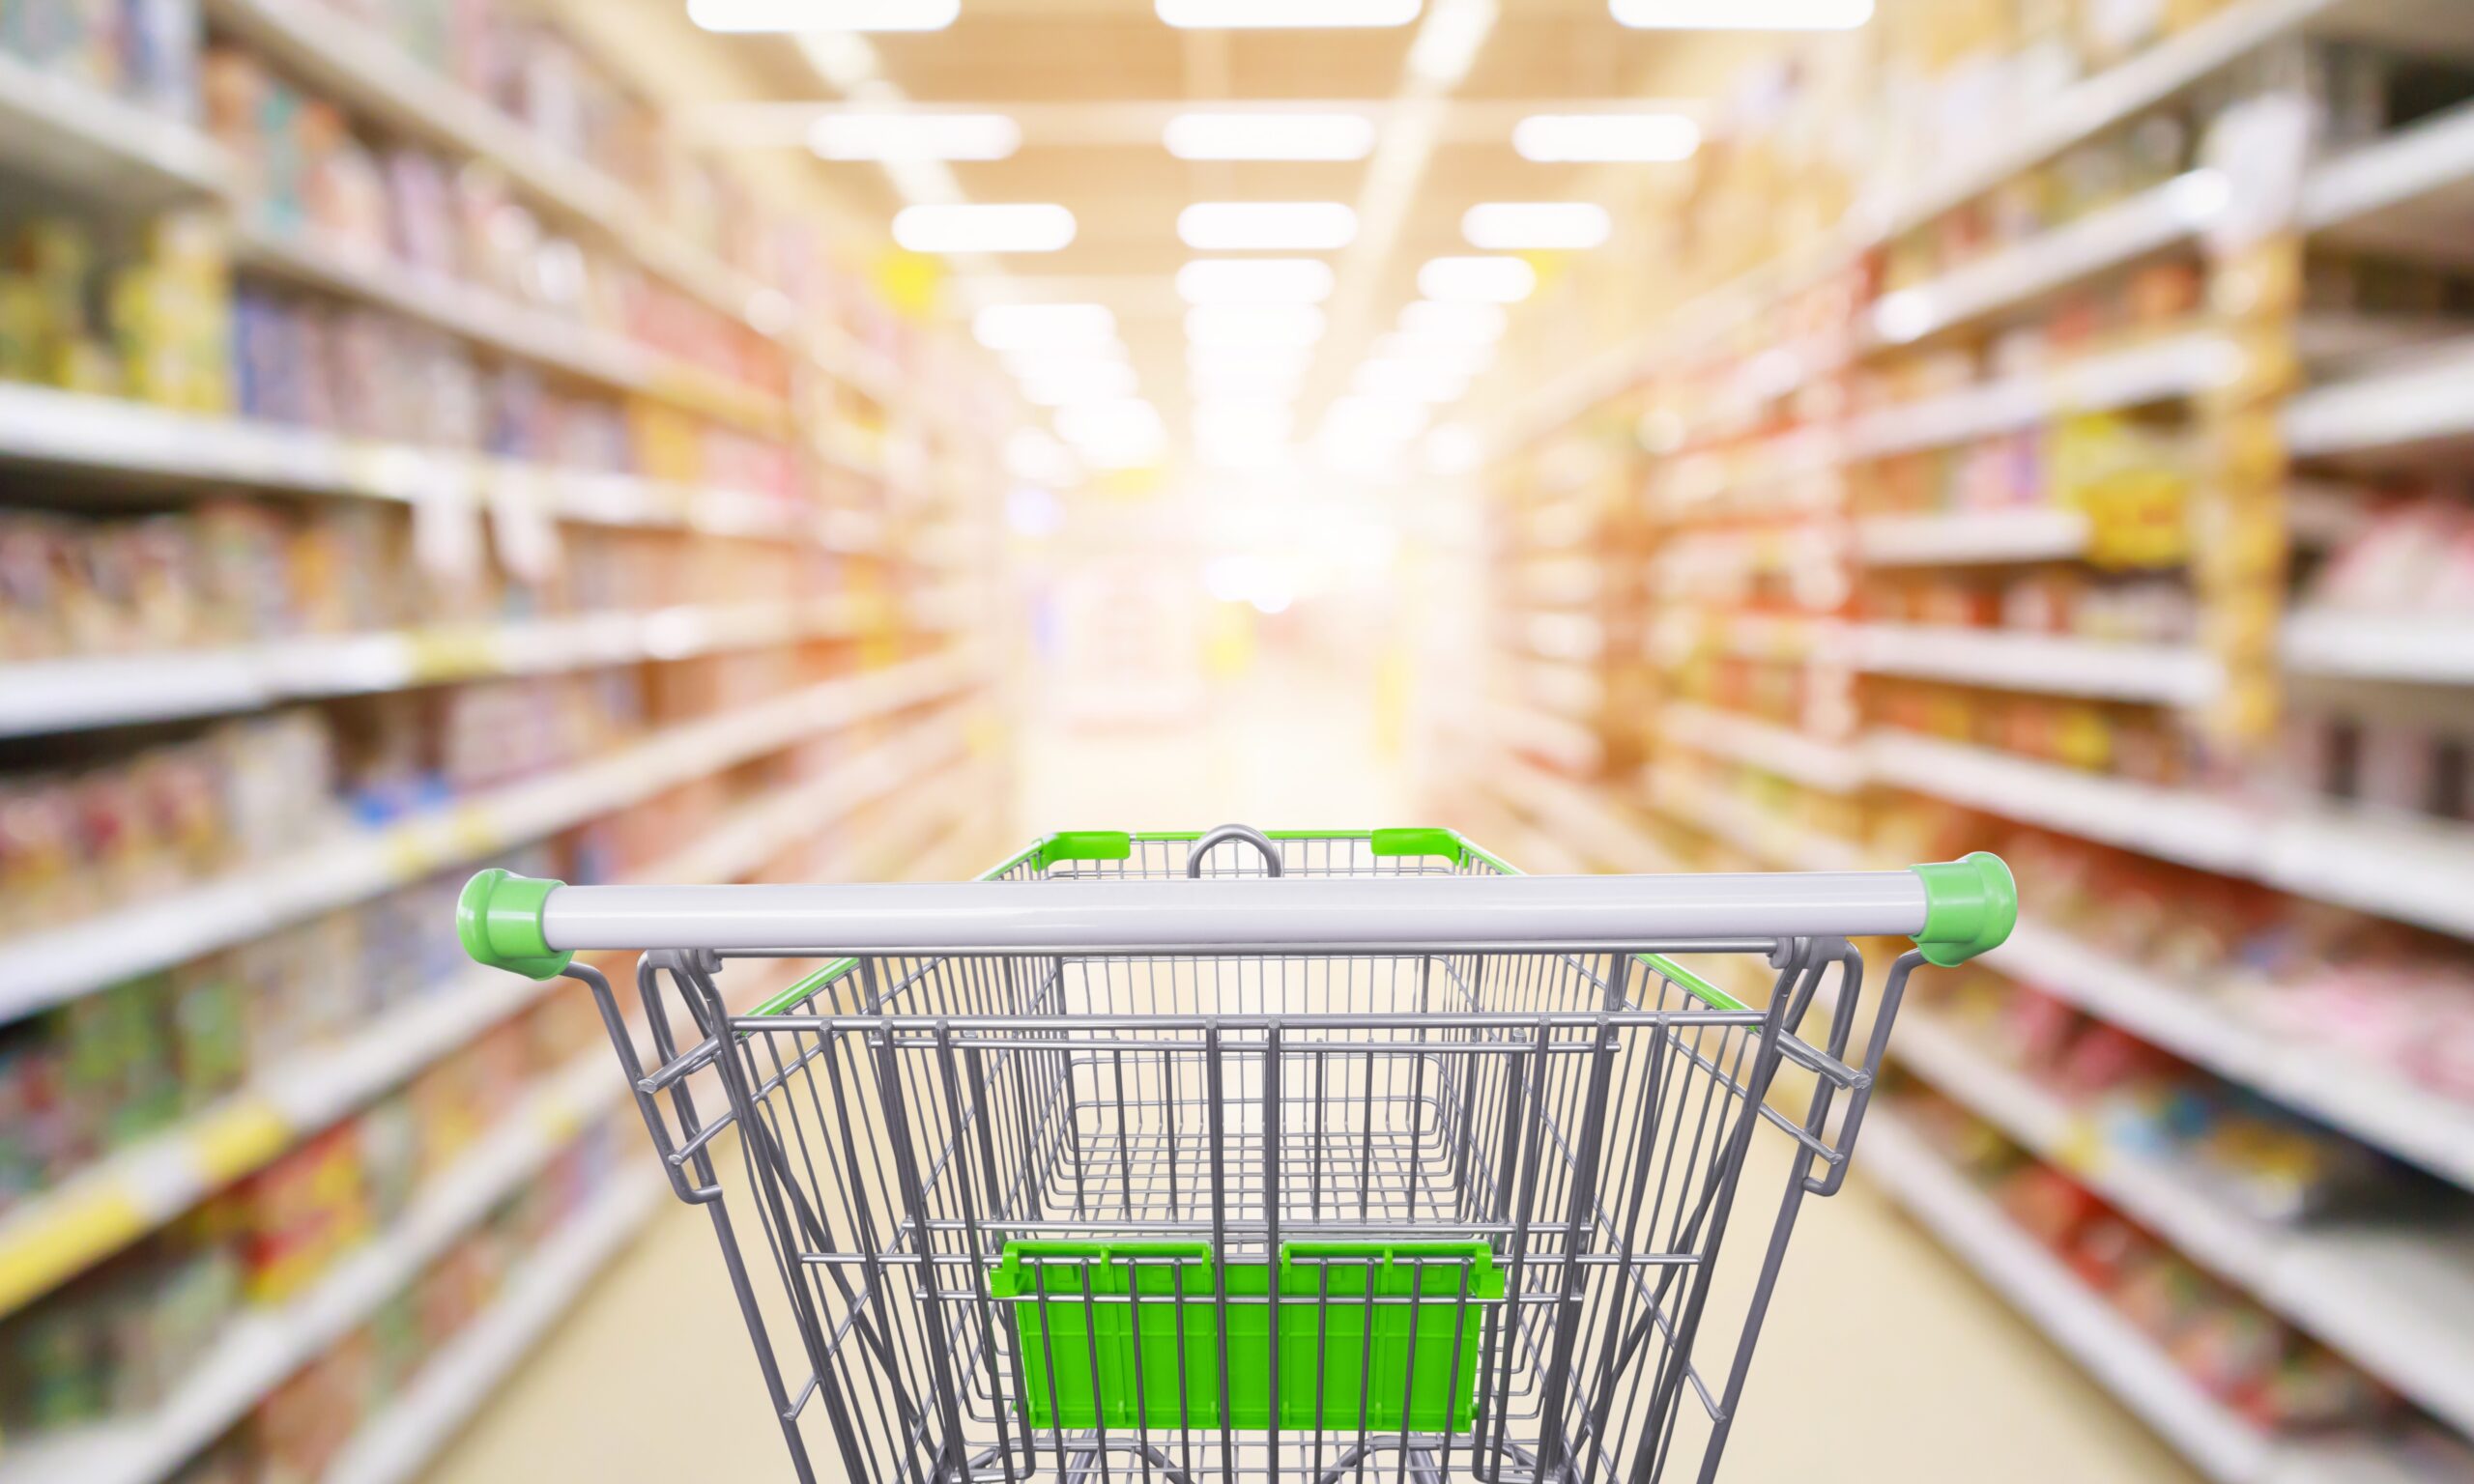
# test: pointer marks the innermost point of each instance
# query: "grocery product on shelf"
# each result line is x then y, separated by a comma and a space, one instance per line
144, 52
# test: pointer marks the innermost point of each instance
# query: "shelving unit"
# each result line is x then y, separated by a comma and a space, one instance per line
1794, 429
842, 710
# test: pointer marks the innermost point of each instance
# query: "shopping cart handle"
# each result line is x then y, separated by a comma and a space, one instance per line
1954, 910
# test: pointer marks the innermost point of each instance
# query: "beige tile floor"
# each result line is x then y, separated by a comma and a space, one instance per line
1882, 1358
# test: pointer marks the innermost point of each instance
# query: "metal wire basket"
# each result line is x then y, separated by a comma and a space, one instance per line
1130, 1160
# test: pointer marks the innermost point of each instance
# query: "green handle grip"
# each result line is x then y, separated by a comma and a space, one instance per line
499, 920
1970, 905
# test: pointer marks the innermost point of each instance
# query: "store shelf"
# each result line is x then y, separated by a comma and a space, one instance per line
1972, 537
2410, 870
2163, 370
459, 1380
1595, 827
2369, 1102
507, 326
1569, 745
2165, 822
2115, 236
49, 967
1785, 638
360, 69
109, 435
2424, 649
1798, 755
80, 137
2429, 400
59, 1233
2162, 675
2400, 1302
2412, 192
2115, 1352
1749, 828
120, 690
264, 1347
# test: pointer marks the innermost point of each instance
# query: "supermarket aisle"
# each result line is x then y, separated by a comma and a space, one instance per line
1874, 1333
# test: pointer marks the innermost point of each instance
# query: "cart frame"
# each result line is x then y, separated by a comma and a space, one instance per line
1223, 1155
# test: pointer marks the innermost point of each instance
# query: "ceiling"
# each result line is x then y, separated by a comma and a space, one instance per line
1092, 83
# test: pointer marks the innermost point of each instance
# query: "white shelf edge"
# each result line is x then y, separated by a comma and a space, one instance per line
92, 141
2414, 162
1752, 831
2423, 648
56, 1233
263, 1347
2165, 675
58, 964
2427, 401
458, 1378
1790, 754
49, 696
1586, 823
1963, 538
2114, 1353
371, 73
2362, 1100
2157, 219
2177, 365
2424, 1349
42, 425
2410, 869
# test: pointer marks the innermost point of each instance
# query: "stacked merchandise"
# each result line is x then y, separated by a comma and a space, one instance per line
416, 489
2098, 495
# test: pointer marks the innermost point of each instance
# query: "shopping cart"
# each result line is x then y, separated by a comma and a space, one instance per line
1129, 1160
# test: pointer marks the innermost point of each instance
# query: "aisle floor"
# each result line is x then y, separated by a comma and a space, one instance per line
1883, 1359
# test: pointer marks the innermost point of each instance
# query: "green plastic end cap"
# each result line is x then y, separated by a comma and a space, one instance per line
499, 919
1970, 905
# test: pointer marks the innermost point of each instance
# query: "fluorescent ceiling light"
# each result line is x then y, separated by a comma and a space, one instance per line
788, 16
1594, 138
1448, 44
883, 136
1017, 327
1476, 280
1270, 137
1254, 420
1526, 226
1409, 381
1238, 325
1289, 359
1460, 357
1254, 281
1091, 381
1294, 15
1360, 420
978, 228
1119, 434
1293, 226
1430, 319
1742, 15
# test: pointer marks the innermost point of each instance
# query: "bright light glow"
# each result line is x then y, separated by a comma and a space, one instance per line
1742, 15
1262, 361
789, 16
1528, 226
1452, 355
1008, 328
1292, 14
1448, 44
1409, 381
1455, 448
1036, 457
1373, 421
1259, 420
1244, 326
1458, 324
1276, 374
1270, 137
1089, 380
1476, 280
883, 136
1594, 138
980, 228
1032, 511
1290, 226
1254, 281
1122, 434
